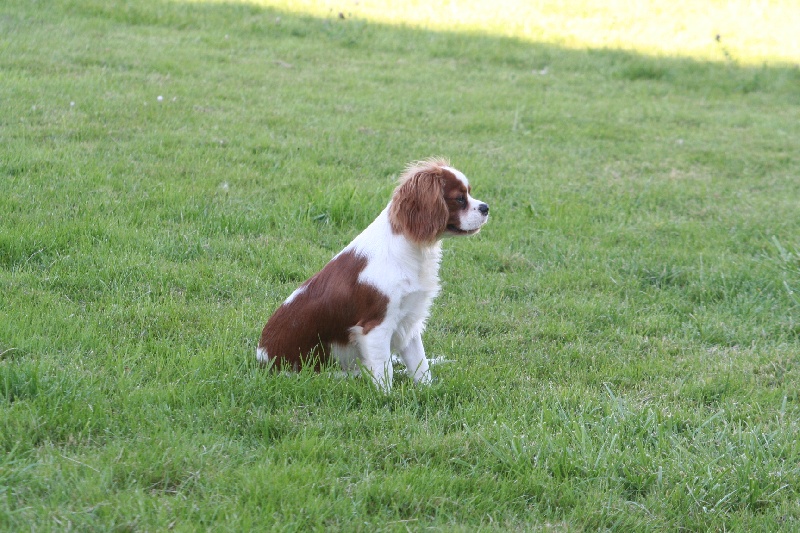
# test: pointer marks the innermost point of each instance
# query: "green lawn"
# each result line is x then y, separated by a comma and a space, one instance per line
625, 331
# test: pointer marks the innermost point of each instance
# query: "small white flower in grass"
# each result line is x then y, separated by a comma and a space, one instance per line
160, 98
72, 104
225, 186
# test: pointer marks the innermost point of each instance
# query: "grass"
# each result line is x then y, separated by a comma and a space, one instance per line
626, 330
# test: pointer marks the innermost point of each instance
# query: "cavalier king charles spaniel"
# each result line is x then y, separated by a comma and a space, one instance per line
373, 298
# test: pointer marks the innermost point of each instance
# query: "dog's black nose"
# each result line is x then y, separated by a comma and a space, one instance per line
484, 209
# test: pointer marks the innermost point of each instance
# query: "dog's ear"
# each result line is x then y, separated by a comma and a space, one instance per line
418, 209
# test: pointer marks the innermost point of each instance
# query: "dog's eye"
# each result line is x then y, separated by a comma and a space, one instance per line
461, 200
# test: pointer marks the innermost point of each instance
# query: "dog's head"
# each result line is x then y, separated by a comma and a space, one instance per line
433, 201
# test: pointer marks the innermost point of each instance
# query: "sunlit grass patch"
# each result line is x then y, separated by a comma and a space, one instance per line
740, 31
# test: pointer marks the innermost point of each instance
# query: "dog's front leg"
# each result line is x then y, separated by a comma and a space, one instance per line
413, 356
376, 357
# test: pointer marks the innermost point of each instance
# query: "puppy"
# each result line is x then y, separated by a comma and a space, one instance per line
373, 298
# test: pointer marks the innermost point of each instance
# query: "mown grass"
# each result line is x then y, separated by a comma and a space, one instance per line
626, 331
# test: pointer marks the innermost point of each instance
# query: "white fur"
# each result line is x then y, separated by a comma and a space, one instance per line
261, 355
297, 292
473, 219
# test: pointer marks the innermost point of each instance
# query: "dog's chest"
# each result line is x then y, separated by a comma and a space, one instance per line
415, 293
414, 306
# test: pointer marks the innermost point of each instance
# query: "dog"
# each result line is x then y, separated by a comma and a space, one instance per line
373, 298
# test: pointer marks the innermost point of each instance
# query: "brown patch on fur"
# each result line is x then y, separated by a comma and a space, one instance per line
333, 301
454, 190
418, 209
